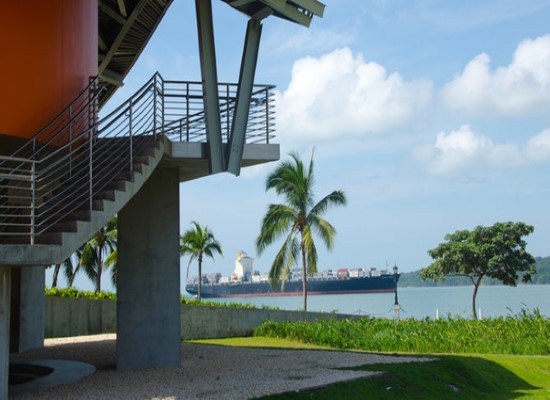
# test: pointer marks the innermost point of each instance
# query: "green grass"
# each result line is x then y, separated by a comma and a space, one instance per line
476, 376
450, 377
262, 342
524, 334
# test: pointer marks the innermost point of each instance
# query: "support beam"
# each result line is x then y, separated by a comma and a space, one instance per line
244, 94
5, 286
148, 275
27, 308
209, 73
112, 77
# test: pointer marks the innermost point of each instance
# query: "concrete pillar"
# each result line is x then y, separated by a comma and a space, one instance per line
148, 275
5, 286
27, 308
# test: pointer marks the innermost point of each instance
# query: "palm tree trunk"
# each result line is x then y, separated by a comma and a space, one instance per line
200, 278
55, 274
99, 270
304, 277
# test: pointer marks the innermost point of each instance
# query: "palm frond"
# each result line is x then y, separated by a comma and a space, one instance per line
276, 223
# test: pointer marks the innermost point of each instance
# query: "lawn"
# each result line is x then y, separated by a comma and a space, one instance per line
479, 376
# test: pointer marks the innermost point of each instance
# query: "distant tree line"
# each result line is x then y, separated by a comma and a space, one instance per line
412, 279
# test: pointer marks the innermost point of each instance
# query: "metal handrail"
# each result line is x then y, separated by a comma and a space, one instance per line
75, 158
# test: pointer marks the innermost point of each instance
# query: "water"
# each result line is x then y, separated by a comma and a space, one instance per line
420, 303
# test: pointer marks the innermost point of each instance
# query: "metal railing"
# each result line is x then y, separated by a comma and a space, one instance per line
74, 160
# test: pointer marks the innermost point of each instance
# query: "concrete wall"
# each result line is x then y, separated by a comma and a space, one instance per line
74, 317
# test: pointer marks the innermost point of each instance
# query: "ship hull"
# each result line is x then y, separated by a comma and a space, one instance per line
378, 284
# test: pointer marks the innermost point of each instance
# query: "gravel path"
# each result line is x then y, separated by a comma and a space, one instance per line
207, 372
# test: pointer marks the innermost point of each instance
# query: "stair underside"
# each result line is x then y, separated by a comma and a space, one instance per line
76, 228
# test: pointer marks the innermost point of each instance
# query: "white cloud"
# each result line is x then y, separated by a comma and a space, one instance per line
465, 150
521, 88
538, 147
339, 94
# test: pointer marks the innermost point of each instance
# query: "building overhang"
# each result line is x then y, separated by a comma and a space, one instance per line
297, 11
192, 158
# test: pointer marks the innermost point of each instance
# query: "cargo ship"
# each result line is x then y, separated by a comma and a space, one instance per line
246, 282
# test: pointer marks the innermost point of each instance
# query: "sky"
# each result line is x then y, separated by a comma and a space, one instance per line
432, 116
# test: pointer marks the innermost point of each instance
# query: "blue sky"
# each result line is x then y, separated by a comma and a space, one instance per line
431, 115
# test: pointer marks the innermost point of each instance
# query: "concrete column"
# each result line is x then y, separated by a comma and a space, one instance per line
148, 275
27, 308
5, 286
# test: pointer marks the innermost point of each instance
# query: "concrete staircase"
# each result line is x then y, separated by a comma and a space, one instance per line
71, 222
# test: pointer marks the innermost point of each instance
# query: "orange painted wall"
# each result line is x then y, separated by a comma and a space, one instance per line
49, 52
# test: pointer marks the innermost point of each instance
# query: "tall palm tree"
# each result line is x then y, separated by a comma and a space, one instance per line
199, 242
110, 262
296, 220
70, 266
96, 250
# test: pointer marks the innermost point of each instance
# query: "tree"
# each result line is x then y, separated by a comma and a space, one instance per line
199, 242
70, 266
497, 251
296, 221
110, 262
96, 250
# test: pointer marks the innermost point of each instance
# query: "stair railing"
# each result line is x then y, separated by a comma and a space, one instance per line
71, 162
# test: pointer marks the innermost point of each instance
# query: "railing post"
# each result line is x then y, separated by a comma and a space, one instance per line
130, 133
187, 111
162, 107
155, 109
267, 114
90, 169
33, 200
228, 117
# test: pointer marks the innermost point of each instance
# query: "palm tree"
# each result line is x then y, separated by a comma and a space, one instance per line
96, 250
198, 242
110, 262
296, 220
70, 266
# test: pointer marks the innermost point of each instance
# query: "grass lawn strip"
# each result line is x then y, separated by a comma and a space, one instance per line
450, 377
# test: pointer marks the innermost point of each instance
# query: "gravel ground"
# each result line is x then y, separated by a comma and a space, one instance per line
207, 372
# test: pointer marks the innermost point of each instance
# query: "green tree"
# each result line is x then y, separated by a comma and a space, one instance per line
110, 262
199, 242
497, 251
296, 221
96, 250
70, 266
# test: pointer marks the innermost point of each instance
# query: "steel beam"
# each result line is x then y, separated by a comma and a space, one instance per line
216, 161
244, 94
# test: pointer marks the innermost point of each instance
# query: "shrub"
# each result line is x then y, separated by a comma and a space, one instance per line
526, 333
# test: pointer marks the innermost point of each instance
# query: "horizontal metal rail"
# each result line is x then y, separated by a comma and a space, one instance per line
77, 159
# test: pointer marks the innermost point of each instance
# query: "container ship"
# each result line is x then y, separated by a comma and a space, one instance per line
246, 282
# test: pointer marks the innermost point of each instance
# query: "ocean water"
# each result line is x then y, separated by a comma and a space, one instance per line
420, 303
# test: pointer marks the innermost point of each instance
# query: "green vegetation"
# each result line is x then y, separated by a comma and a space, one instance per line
449, 377
206, 303
542, 265
412, 279
497, 251
80, 294
525, 334
96, 250
296, 221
